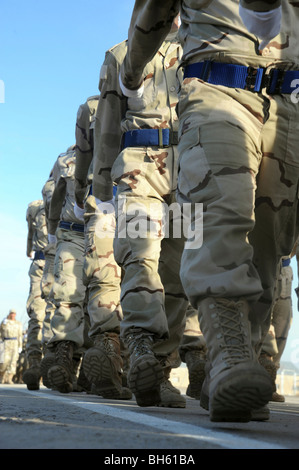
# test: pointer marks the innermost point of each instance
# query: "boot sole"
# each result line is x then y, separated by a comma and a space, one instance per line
144, 380
59, 379
238, 396
97, 369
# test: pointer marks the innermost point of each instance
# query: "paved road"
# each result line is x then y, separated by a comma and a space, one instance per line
46, 419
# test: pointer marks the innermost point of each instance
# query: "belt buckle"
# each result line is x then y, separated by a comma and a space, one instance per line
268, 78
251, 78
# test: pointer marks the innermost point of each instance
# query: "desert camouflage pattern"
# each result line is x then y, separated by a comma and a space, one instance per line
238, 150
63, 198
37, 237
101, 274
68, 291
36, 242
281, 315
151, 296
48, 273
85, 122
12, 335
210, 29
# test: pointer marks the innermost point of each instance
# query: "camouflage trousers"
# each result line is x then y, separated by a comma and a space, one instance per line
193, 339
46, 287
152, 297
101, 274
239, 159
11, 355
68, 291
36, 309
281, 316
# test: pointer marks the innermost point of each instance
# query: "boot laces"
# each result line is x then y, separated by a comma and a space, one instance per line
235, 342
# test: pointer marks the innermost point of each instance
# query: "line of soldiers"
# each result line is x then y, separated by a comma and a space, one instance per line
121, 303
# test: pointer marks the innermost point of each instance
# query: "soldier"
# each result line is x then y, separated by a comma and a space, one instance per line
36, 305
238, 158
68, 292
12, 336
136, 148
102, 363
47, 284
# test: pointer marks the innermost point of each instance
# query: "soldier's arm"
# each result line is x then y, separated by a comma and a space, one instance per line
56, 205
150, 23
260, 5
84, 152
29, 233
107, 133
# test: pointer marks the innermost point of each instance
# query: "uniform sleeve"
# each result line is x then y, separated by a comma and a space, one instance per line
84, 151
260, 5
107, 133
150, 23
29, 233
56, 205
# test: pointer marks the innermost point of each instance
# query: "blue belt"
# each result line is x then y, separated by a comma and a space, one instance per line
71, 226
240, 76
6, 339
286, 262
39, 255
149, 138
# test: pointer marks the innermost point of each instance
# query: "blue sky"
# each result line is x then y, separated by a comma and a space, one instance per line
50, 58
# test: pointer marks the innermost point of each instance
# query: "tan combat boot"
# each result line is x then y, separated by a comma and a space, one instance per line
8, 379
237, 383
170, 396
61, 374
195, 361
145, 372
32, 375
266, 361
102, 365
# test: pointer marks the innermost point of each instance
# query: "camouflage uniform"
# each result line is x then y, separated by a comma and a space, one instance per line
101, 274
36, 305
152, 298
68, 323
238, 158
48, 273
12, 336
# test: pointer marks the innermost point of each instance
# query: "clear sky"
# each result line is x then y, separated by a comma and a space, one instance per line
50, 58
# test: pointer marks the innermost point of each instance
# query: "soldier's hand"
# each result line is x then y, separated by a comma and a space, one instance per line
263, 24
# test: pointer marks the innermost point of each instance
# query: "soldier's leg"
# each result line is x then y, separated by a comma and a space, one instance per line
36, 308
219, 159
193, 351
68, 295
103, 362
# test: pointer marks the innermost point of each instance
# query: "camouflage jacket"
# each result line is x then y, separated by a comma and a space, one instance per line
117, 114
37, 237
84, 146
63, 198
209, 30
12, 329
47, 192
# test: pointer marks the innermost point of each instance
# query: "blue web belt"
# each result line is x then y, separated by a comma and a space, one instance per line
71, 226
149, 138
39, 255
8, 339
286, 262
240, 76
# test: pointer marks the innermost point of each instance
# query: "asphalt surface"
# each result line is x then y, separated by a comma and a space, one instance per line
46, 419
